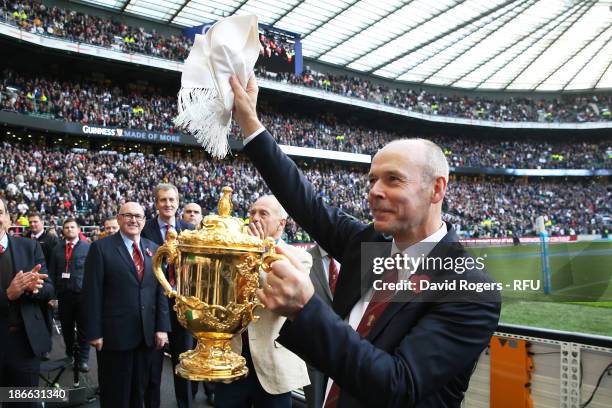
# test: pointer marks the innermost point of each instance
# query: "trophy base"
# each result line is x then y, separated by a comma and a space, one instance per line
212, 360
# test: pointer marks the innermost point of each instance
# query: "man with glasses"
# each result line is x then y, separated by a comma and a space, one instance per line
156, 229
126, 310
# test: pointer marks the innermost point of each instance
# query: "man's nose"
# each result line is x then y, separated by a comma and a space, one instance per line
376, 190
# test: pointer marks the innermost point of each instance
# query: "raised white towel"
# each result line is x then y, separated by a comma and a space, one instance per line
205, 101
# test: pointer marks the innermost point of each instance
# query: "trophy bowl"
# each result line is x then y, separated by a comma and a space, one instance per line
216, 273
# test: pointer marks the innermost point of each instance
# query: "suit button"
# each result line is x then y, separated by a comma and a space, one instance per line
142, 307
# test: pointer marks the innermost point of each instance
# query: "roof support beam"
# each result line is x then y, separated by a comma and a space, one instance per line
569, 58
378, 20
239, 7
296, 5
570, 25
178, 11
124, 6
506, 17
322, 23
602, 74
565, 14
441, 35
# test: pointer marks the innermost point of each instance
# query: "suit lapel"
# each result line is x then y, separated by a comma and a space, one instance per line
17, 264
358, 275
154, 230
148, 268
404, 299
319, 273
62, 262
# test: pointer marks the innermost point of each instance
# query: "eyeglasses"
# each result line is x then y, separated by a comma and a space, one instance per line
137, 217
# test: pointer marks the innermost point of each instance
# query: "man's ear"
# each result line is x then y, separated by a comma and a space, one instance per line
439, 189
282, 224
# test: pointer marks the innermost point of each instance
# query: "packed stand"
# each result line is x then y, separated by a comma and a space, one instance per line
90, 185
570, 109
100, 104
88, 103
72, 25
76, 26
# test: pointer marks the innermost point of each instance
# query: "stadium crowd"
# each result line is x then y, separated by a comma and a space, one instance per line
102, 104
570, 108
37, 18
89, 185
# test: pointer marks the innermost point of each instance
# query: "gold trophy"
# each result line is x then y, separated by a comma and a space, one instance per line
217, 273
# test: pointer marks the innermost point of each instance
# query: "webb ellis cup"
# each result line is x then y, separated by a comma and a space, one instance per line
217, 273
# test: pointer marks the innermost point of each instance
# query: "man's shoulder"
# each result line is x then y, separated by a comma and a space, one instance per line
186, 225
151, 223
82, 244
147, 243
20, 242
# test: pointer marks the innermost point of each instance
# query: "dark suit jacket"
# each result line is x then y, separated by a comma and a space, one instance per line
26, 254
151, 229
120, 308
76, 267
418, 354
47, 242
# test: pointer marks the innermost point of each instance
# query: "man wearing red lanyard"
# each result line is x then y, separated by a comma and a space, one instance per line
66, 269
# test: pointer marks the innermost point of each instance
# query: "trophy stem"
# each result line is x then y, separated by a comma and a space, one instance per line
212, 360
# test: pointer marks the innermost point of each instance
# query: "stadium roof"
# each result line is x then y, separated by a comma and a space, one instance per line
545, 45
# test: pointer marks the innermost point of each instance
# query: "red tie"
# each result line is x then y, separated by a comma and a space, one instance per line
333, 274
1, 249
138, 261
69, 248
171, 277
378, 304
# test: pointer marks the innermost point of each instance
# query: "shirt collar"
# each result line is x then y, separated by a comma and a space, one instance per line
128, 242
4, 241
74, 241
323, 252
162, 224
433, 238
39, 234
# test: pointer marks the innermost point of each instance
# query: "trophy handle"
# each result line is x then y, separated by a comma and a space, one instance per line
271, 255
168, 251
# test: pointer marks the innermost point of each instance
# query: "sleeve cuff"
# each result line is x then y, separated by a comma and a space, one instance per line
253, 135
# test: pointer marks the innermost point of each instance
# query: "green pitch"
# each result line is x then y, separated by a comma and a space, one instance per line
581, 275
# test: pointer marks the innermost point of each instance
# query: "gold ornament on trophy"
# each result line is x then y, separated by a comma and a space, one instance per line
217, 273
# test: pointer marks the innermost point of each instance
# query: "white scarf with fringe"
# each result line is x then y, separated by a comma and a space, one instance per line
205, 101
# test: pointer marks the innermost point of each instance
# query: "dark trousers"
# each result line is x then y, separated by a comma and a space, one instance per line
180, 341
19, 367
70, 314
248, 391
122, 376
